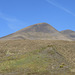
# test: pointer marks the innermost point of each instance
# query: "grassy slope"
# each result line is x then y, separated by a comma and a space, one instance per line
26, 57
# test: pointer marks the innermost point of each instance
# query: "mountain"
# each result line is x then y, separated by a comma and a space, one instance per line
50, 55
42, 31
69, 34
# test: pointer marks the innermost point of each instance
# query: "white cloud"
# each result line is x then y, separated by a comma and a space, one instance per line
5, 17
12, 23
16, 25
52, 2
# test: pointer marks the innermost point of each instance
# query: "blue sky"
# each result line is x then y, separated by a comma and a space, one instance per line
18, 14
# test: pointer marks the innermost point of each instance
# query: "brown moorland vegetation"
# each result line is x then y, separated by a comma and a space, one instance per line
37, 57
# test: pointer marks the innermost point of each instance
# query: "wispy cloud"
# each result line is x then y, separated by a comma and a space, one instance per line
7, 18
52, 2
12, 23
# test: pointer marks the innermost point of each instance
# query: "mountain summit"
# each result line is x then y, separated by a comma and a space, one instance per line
40, 27
40, 31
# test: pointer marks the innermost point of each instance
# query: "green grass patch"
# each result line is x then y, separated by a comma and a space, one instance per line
32, 61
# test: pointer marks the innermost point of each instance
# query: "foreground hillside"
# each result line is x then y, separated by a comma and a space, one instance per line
37, 57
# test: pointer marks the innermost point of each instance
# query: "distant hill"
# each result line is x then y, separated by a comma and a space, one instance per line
41, 31
69, 34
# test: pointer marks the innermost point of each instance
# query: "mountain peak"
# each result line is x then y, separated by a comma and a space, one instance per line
39, 27
41, 23
41, 31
